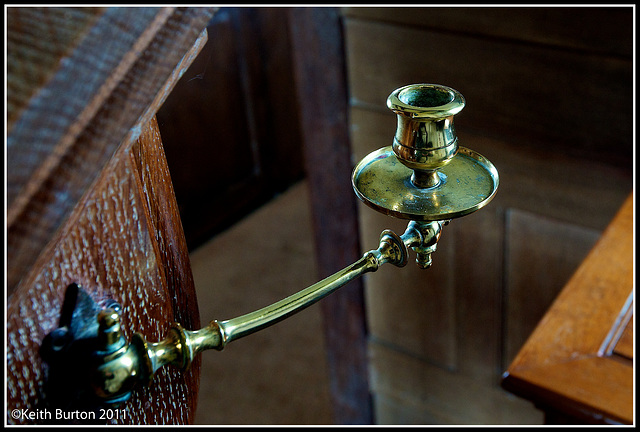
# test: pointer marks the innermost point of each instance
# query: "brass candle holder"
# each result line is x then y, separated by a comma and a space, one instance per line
424, 177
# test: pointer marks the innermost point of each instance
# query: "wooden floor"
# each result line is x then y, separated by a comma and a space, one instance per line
277, 376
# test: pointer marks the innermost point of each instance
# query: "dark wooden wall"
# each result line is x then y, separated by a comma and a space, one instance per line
230, 127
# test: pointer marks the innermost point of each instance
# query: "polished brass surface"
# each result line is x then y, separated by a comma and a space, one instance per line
429, 235
425, 175
425, 138
124, 366
181, 347
119, 373
392, 249
467, 183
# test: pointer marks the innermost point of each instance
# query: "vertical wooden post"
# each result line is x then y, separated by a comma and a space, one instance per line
319, 67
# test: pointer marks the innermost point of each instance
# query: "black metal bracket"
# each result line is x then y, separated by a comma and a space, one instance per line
71, 353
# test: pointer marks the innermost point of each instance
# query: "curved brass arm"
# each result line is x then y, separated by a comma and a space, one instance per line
426, 176
392, 249
128, 365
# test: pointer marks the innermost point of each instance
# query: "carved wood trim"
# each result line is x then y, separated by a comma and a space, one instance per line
108, 85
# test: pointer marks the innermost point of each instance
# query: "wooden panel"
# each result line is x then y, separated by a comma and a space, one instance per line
430, 395
231, 145
112, 81
511, 85
124, 242
268, 47
408, 308
208, 142
536, 93
478, 270
90, 193
605, 30
595, 390
395, 411
433, 314
541, 255
561, 366
454, 312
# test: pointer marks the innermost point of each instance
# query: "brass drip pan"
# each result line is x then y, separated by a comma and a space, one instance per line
468, 182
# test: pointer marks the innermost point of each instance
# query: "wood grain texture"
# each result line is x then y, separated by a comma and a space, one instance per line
563, 365
555, 27
106, 85
477, 267
32, 58
123, 242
